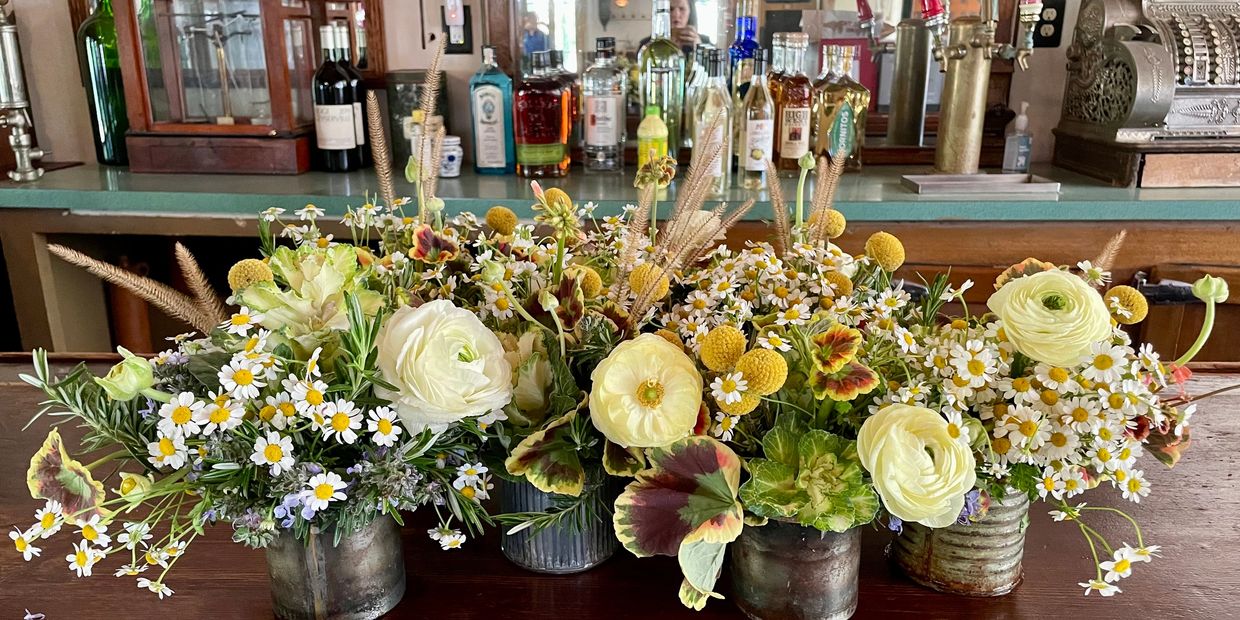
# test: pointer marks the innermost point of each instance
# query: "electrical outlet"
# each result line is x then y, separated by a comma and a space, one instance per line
464, 43
1049, 30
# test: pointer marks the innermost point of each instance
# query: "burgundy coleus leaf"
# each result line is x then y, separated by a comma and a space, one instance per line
703, 422
851, 381
835, 347
53, 474
431, 247
687, 493
1027, 267
619, 461
572, 302
548, 459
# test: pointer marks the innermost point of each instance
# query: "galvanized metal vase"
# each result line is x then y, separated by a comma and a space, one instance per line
361, 578
787, 571
556, 550
979, 559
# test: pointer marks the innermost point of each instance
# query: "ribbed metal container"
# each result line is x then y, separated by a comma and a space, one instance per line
786, 571
557, 550
361, 578
979, 559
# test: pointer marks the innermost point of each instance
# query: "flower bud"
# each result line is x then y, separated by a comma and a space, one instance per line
1210, 288
492, 272
128, 378
548, 300
806, 162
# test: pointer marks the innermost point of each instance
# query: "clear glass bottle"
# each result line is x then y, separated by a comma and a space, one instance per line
693, 85
105, 92
824, 108
490, 104
541, 118
755, 122
714, 101
662, 69
742, 52
603, 88
793, 105
847, 90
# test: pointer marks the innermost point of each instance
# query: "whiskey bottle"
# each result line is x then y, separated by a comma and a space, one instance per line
541, 117
847, 91
793, 105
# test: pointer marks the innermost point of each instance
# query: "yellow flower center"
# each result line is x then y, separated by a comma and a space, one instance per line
959, 324
385, 426
273, 453
21, 544
240, 319
468, 492
89, 532
1001, 445
1125, 454
1104, 455
150, 558
1048, 483
80, 558
243, 376
251, 344
780, 292
267, 413
699, 304
960, 382
1103, 362
49, 519
1001, 410
1069, 484
1050, 397
1122, 565
501, 304
324, 491
953, 431
1120, 475
940, 362
726, 424
220, 415
128, 485
1134, 485
1059, 440
288, 410
1105, 434
1080, 414
1116, 400
166, 447
314, 397
728, 386
977, 367
340, 422
322, 242
650, 393
1020, 384
1028, 428
221, 399
1058, 375
792, 314
181, 415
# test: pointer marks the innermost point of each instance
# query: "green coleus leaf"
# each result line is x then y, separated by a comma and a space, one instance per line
548, 459
689, 491
771, 490
619, 461
1167, 447
701, 562
53, 474
830, 475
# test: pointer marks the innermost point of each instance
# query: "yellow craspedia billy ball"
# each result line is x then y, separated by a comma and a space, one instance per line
748, 402
835, 224
649, 279
501, 219
591, 283
886, 250
722, 347
764, 370
1129, 299
843, 284
248, 272
671, 337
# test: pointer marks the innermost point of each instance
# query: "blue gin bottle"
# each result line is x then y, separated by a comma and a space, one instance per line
742, 51
490, 104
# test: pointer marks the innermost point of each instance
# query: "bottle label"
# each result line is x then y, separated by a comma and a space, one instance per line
759, 140
716, 170
650, 148
490, 134
794, 133
333, 127
359, 133
603, 120
540, 154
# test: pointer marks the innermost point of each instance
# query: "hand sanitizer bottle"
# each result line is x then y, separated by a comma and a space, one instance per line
1019, 143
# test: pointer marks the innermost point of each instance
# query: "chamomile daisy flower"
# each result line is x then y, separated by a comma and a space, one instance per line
773, 341
1055, 378
384, 425
94, 531
131, 570
48, 519
323, 489
907, 340
240, 379
309, 212
156, 587
794, 315
1018, 389
274, 452
956, 428
1050, 484
1135, 486
134, 535
452, 541
177, 415
23, 542
1079, 414
1094, 276
308, 395
974, 367
1101, 587
278, 411
471, 473
1073, 481
729, 388
242, 321
1062, 443
220, 414
890, 301
1026, 427
342, 419
83, 558
1105, 363
1118, 567
1141, 554
168, 451
725, 426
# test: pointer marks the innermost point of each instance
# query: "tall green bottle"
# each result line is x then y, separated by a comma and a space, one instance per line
101, 75
662, 66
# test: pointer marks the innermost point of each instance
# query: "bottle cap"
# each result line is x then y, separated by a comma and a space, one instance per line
327, 37
714, 62
652, 110
760, 59
797, 40
488, 54
1022, 120
451, 140
605, 47
540, 60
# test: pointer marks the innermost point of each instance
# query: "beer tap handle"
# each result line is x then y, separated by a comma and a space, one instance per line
934, 13
868, 22
1029, 12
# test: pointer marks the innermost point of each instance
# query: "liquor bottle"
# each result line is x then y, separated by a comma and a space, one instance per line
603, 88
848, 91
652, 136
775, 76
714, 109
756, 120
335, 132
101, 75
541, 117
823, 107
358, 88
662, 67
573, 85
490, 104
694, 82
741, 52
793, 105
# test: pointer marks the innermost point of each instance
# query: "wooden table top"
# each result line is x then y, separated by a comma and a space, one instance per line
1191, 514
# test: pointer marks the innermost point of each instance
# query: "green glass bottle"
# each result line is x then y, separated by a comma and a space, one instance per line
663, 73
105, 93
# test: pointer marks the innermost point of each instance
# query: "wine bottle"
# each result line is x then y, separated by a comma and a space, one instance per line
714, 108
334, 128
101, 75
358, 90
490, 102
756, 120
662, 67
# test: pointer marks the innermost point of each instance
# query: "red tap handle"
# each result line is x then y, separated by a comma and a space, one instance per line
864, 12
932, 9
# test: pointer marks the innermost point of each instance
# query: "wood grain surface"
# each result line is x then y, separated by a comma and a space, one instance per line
1191, 513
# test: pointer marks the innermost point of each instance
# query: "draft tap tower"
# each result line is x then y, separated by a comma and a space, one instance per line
906, 118
14, 102
965, 57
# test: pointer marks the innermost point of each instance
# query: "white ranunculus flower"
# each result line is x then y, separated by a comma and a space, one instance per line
646, 393
445, 364
1051, 316
920, 471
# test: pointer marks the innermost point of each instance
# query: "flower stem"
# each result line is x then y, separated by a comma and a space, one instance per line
1093, 549
1137, 528
654, 214
111, 457
1207, 326
800, 203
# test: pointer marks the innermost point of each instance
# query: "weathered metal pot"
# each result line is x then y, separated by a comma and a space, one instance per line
979, 559
361, 578
558, 550
786, 571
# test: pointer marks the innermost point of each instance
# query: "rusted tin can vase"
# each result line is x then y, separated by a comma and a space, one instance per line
979, 559
361, 578
786, 571
560, 549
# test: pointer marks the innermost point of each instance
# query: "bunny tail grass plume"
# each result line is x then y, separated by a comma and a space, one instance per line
634, 240
160, 295
209, 302
379, 150
783, 229
1106, 259
825, 187
434, 81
